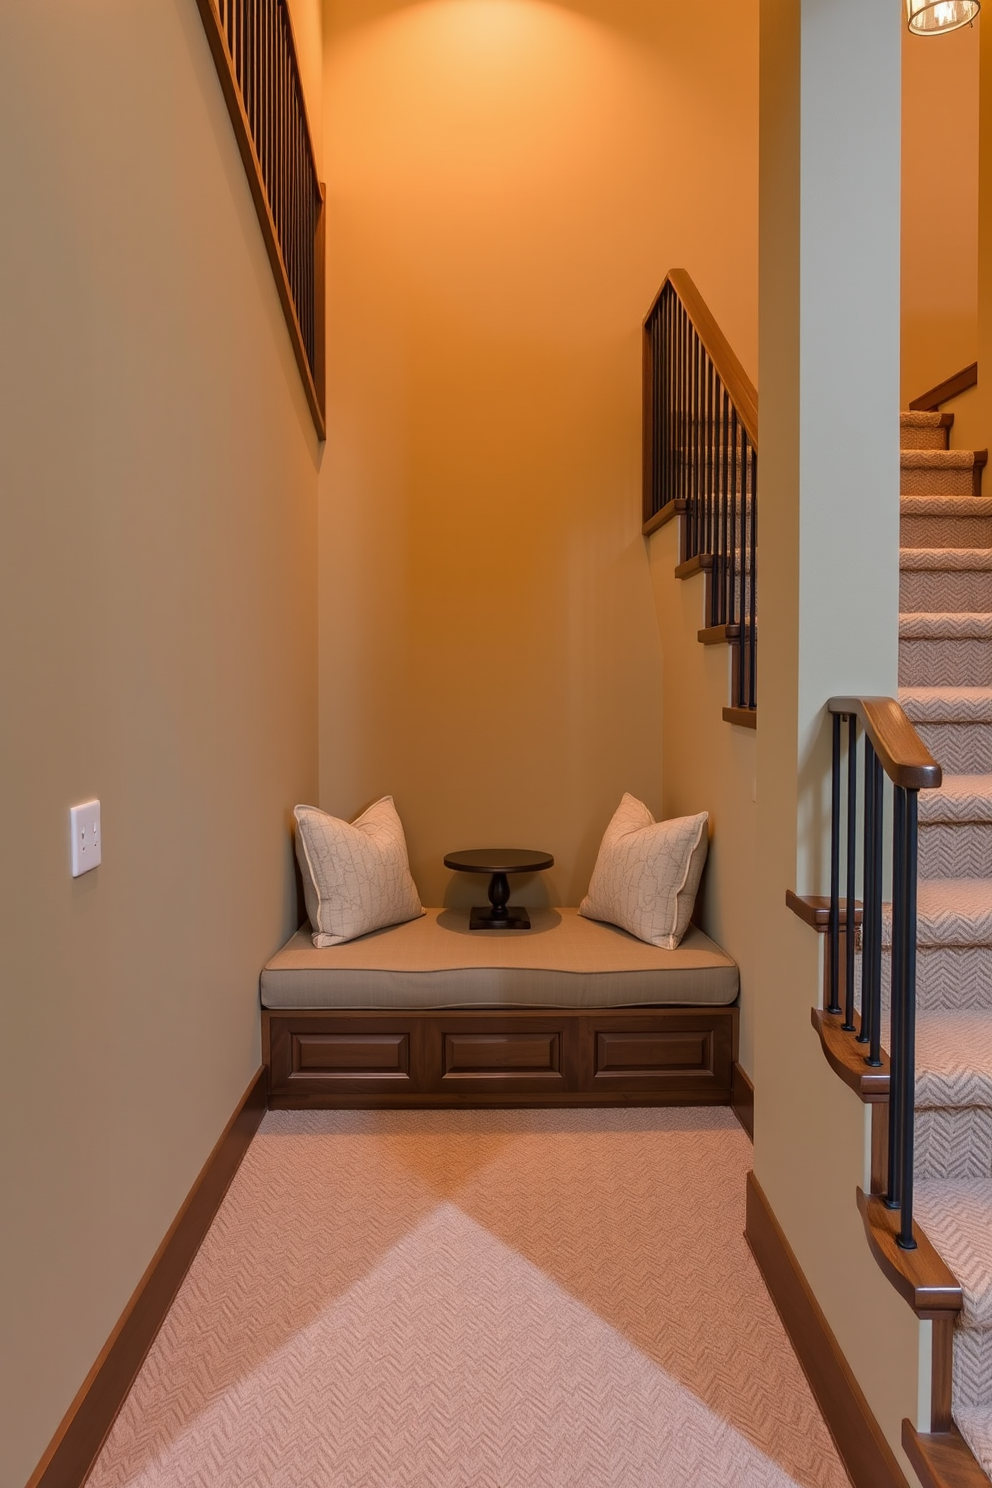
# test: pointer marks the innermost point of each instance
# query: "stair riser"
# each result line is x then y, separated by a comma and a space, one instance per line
925, 438
959, 748
942, 592
956, 850
953, 1144
958, 480
972, 1367
945, 532
948, 979
945, 662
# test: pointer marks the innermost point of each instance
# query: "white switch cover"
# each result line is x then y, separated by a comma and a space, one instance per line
84, 828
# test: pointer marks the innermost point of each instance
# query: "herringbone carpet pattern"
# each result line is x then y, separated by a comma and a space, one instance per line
945, 668
476, 1300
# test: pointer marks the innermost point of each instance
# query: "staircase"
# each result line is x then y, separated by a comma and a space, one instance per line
945, 676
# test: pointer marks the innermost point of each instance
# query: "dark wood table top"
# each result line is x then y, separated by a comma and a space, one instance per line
499, 860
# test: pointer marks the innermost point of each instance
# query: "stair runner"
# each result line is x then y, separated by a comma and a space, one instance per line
945, 677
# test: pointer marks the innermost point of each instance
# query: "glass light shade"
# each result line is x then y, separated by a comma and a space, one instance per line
931, 17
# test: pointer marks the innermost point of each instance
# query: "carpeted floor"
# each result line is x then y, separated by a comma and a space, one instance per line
477, 1300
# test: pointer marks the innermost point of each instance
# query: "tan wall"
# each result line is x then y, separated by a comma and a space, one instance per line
939, 208
155, 447
709, 766
507, 184
829, 606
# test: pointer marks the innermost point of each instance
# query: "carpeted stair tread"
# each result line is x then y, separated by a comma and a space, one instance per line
947, 704
957, 1217
935, 505
922, 418
950, 625
954, 1061
950, 912
945, 560
960, 799
938, 459
975, 1425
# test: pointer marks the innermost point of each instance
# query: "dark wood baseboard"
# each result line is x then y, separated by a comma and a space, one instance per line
866, 1454
742, 1099
408, 1058
77, 1442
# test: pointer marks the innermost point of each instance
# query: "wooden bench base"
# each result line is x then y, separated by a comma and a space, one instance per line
659, 1056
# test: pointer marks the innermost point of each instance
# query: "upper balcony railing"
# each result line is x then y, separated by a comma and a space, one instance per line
255, 54
701, 461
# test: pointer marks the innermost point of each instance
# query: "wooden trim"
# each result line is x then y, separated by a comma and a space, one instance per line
845, 1057
719, 635
904, 757
942, 1459
866, 1454
943, 392
741, 389
700, 563
270, 237
942, 1370
742, 717
662, 518
742, 1098
84, 1428
919, 1276
814, 910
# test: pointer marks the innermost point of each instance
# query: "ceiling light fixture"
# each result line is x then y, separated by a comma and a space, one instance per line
933, 17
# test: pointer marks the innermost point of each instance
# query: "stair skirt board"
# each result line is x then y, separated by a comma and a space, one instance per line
866, 1454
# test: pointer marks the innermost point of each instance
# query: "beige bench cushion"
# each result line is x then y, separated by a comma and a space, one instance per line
564, 960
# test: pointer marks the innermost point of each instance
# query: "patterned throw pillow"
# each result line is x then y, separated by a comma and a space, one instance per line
647, 873
356, 876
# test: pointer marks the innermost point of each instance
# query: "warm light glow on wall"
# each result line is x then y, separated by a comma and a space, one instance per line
931, 17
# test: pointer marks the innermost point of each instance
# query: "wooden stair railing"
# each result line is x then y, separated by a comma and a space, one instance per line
700, 464
943, 392
850, 1036
254, 51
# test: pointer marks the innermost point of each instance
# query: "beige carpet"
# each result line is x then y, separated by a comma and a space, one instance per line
477, 1300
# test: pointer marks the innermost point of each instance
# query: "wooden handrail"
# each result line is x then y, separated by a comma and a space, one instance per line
743, 393
901, 752
951, 387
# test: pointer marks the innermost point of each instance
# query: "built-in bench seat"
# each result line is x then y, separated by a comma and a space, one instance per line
429, 1013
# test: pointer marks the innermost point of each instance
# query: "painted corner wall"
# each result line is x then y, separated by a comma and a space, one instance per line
508, 183
158, 473
939, 208
710, 765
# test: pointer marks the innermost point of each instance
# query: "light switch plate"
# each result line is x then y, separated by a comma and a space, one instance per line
86, 837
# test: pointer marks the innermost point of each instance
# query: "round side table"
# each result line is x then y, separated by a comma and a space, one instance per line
499, 861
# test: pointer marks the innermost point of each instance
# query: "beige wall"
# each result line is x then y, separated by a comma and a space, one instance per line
508, 182
829, 359
939, 207
709, 766
157, 455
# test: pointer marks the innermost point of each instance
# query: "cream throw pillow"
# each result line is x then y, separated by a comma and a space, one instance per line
356, 876
647, 873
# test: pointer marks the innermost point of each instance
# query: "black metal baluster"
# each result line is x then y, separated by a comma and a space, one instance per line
897, 998
907, 1082
833, 1005
752, 644
868, 895
852, 838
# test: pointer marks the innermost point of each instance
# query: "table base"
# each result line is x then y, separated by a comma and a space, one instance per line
514, 918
